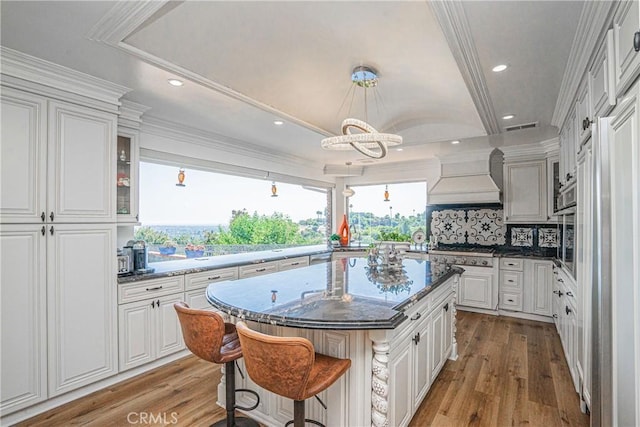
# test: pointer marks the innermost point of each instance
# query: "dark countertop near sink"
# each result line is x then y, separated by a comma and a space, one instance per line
335, 295
197, 265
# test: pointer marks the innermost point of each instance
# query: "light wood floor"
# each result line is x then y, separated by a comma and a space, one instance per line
509, 372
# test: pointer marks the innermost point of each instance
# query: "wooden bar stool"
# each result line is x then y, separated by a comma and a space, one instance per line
289, 367
210, 338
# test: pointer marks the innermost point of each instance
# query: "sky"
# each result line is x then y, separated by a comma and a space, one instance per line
208, 198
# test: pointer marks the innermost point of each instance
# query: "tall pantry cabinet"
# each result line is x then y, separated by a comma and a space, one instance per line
57, 232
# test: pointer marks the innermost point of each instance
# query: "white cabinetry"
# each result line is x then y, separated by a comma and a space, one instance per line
196, 285
23, 339
149, 327
258, 269
81, 305
566, 306
601, 78
627, 61
477, 288
526, 285
23, 157
526, 191
584, 113
291, 263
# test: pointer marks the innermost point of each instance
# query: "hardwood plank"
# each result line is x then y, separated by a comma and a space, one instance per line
489, 385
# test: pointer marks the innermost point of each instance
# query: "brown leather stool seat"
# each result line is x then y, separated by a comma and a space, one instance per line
210, 338
289, 367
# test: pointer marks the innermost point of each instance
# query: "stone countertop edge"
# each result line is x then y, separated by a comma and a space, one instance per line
223, 261
279, 320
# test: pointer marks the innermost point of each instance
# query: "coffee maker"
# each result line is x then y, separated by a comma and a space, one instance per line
140, 257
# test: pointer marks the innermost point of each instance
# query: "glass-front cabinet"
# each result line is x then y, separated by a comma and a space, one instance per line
127, 179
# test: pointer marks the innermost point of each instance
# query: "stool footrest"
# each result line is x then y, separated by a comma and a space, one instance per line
306, 420
246, 390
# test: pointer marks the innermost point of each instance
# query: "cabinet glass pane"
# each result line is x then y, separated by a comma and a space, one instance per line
124, 176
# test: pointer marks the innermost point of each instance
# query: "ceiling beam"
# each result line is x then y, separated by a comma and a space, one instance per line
455, 26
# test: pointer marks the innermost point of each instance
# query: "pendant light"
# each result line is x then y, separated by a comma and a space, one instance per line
386, 193
180, 178
274, 189
348, 191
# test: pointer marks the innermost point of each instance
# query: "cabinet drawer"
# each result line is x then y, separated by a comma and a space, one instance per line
511, 279
258, 269
201, 280
137, 291
515, 264
511, 301
288, 264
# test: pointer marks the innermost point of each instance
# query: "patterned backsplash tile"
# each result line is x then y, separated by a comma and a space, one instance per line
522, 236
548, 237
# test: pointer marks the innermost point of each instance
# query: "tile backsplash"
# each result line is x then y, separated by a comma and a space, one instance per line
468, 226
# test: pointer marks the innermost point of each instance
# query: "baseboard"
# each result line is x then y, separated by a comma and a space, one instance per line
477, 310
37, 409
527, 316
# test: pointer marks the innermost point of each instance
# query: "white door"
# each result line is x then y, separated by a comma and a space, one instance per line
82, 171
627, 60
476, 289
136, 340
23, 339
421, 363
437, 328
81, 282
23, 157
541, 288
624, 155
526, 192
168, 332
400, 381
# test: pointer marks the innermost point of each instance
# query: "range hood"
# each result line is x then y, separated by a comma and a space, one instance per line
468, 178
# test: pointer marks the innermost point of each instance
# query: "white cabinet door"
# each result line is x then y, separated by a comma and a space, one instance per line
81, 279
584, 114
23, 157
476, 289
601, 77
81, 164
526, 192
400, 380
538, 287
624, 157
421, 361
23, 339
136, 333
437, 328
627, 61
168, 332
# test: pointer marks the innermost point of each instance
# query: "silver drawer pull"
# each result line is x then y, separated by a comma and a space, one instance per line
510, 280
213, 278
510, 300
260, 269
155, 288
510, 264
416, 317
295, 263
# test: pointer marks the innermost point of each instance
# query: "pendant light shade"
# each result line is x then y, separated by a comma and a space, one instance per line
180, 178
386, 193
274, 189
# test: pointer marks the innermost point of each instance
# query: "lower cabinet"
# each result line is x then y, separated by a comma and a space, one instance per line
149, 328
477, 288
526, 285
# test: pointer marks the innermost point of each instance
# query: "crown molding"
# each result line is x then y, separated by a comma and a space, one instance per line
29, 73
130, 114
534, 151
592, 27
160, 127
454, 25
123, 19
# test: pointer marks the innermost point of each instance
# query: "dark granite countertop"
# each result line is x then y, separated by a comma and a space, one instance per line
197, 265
341, 294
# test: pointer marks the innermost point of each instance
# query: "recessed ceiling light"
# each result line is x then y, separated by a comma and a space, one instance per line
278, 122
508, 117
455, 142
175, 82
499, 68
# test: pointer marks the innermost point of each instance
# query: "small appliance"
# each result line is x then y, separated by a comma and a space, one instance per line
140, 257
125, 261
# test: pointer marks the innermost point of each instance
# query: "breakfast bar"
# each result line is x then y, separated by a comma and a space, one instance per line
397, 325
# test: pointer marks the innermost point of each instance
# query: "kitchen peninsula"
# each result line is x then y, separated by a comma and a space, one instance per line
398, 328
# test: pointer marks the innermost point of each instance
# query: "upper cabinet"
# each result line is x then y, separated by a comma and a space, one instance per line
62, 176
584, 114
127, 178
601, 78
525, 191
81, 164
626, 37
23, 157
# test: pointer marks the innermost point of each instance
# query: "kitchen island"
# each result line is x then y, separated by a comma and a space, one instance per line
396, 325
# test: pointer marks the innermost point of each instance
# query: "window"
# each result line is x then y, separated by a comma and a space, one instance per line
216, 214
371, 218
